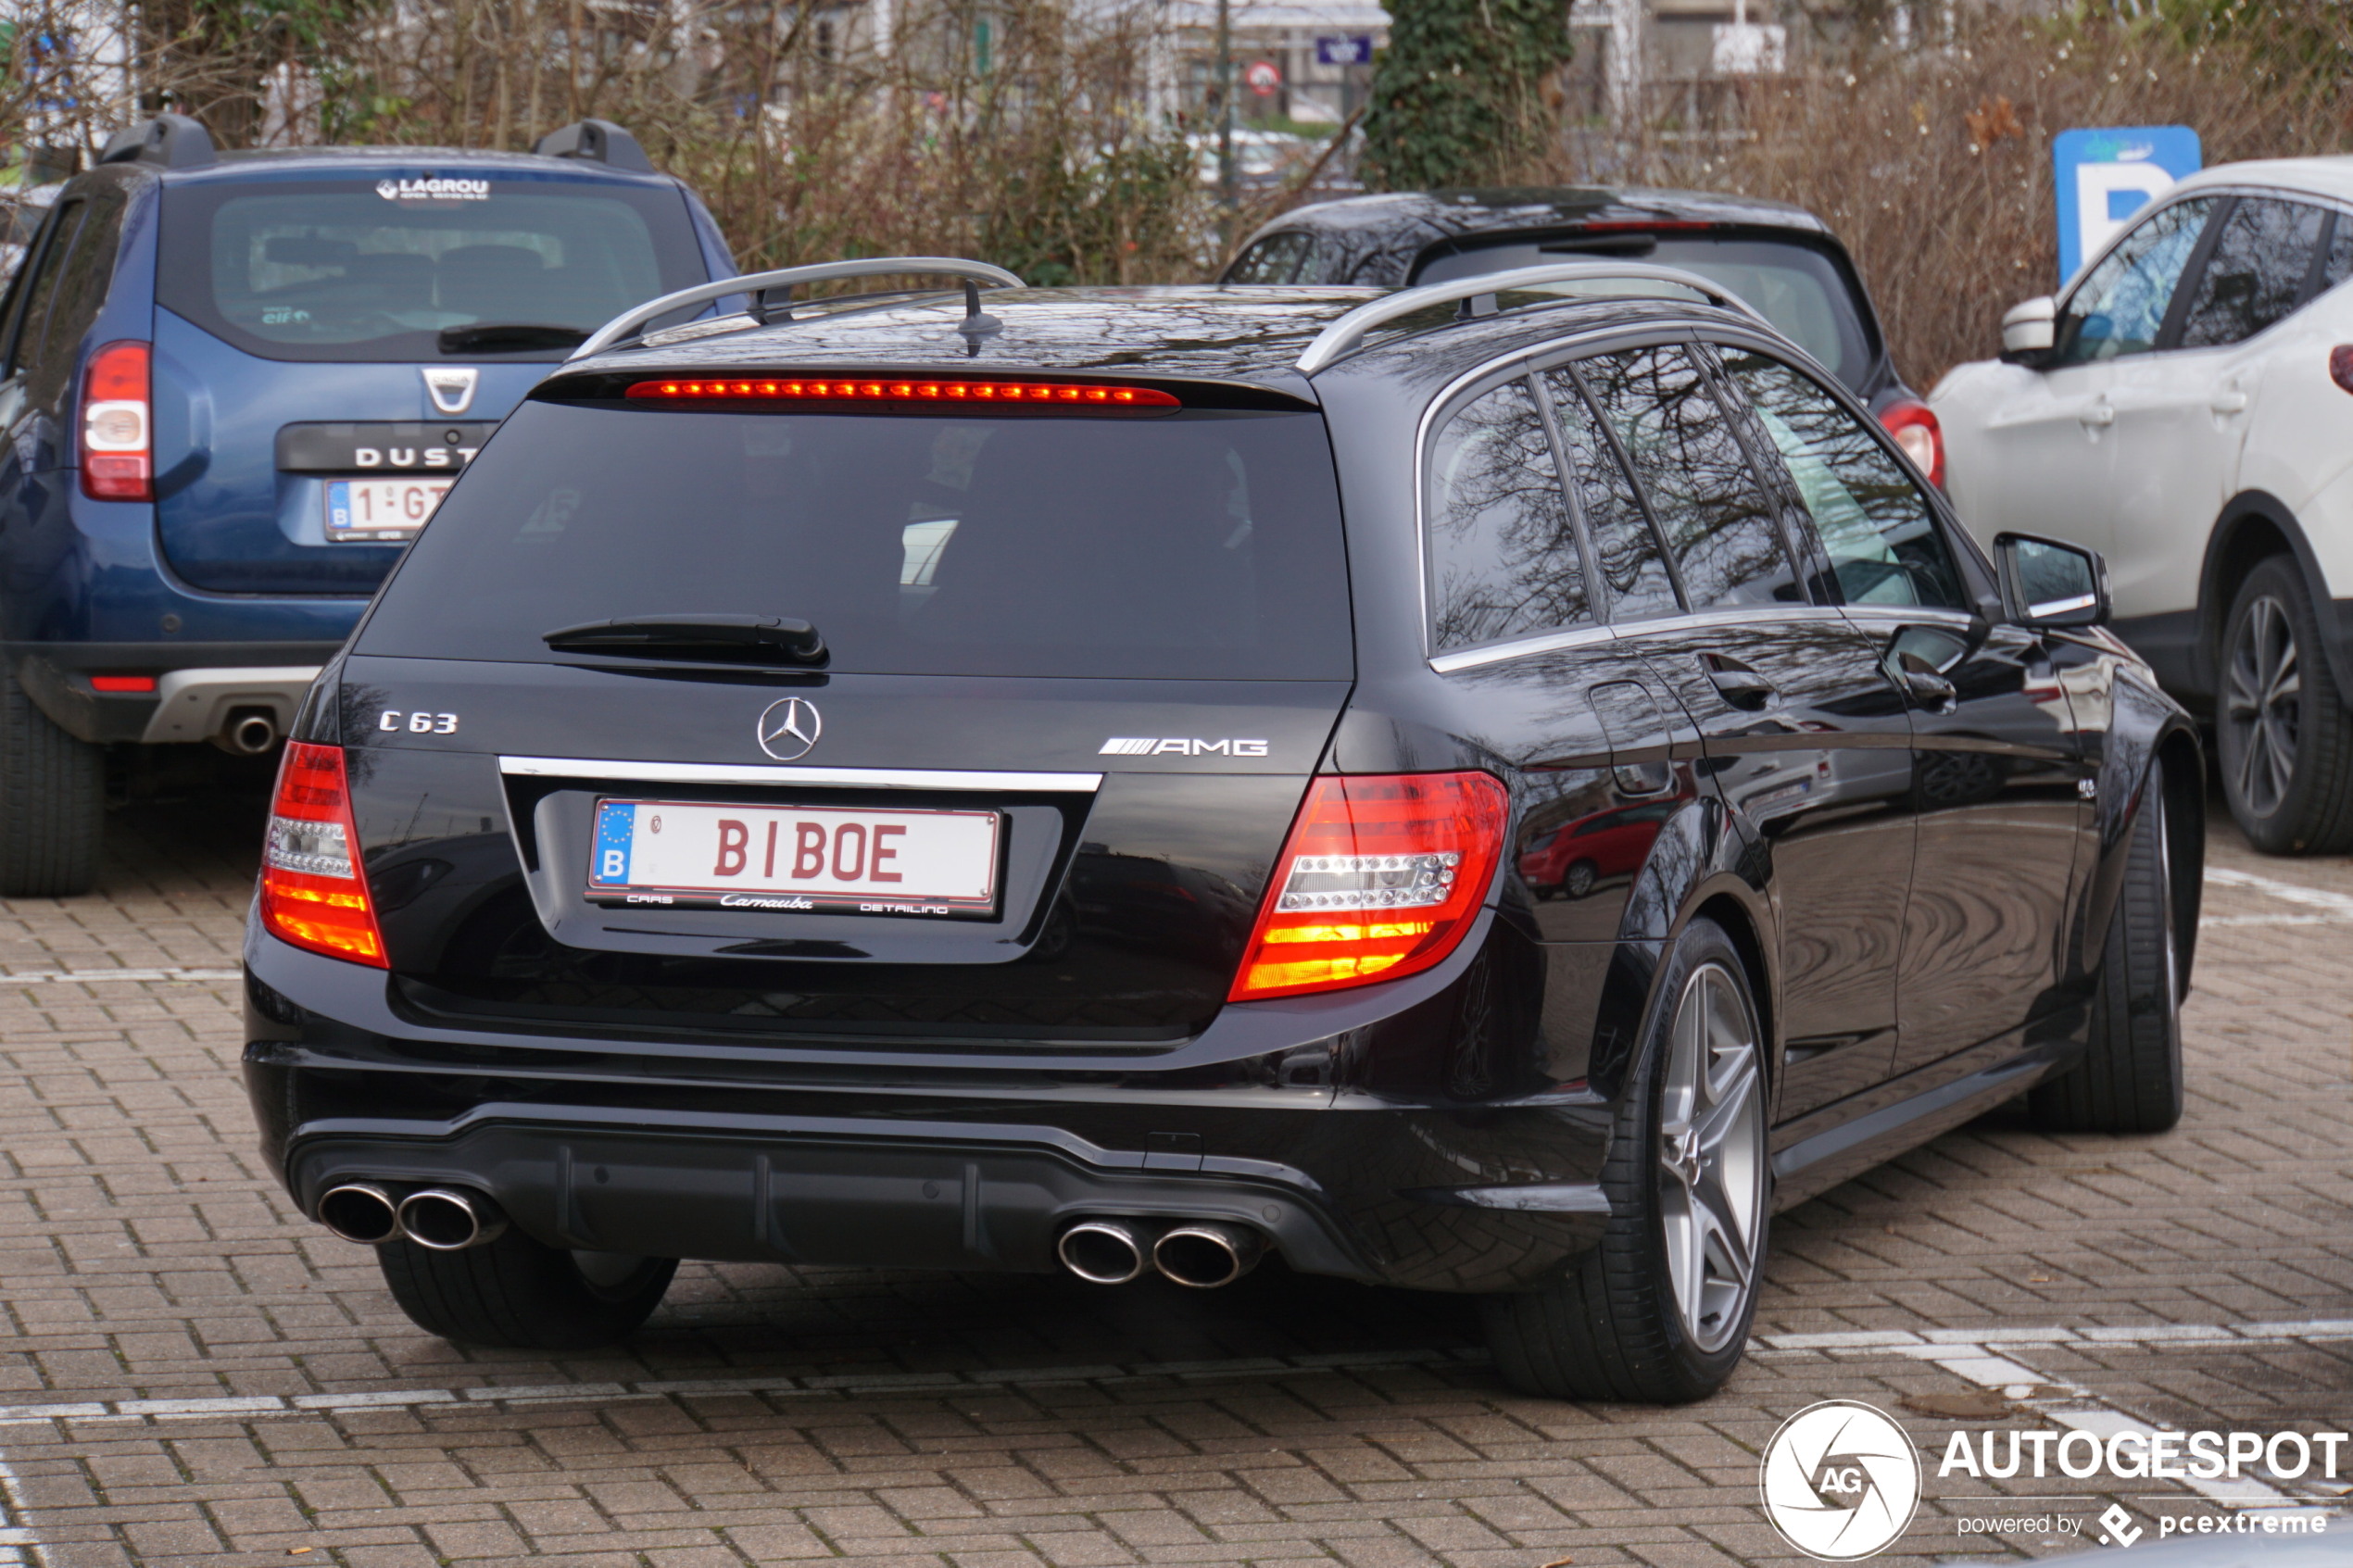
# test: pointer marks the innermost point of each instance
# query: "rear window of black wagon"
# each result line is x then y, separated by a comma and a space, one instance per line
1200, 545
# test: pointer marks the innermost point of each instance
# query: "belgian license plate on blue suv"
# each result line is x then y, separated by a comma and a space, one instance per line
377, 512
834, 858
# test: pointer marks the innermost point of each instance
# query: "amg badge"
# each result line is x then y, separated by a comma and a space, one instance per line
1177, 745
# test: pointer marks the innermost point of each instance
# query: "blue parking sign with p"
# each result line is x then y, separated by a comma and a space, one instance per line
2103, 176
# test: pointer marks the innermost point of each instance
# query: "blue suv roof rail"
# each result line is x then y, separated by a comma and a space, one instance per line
631, 323
596, 141
1345, 335
175, 141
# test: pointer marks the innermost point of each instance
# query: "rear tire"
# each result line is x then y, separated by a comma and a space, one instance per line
516, 1293
1658, 1313
2281, 724
53, 803
2129, 1079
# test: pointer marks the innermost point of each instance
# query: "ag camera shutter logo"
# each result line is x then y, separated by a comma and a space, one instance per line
1840, 1481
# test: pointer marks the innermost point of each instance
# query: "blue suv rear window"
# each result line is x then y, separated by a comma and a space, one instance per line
375, 270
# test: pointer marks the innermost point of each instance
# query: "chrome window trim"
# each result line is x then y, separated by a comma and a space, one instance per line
1520, 647
1912, 615
744, 773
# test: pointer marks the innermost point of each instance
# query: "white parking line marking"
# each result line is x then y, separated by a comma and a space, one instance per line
1967, 1354
96, 976
18, 1549
2339, 905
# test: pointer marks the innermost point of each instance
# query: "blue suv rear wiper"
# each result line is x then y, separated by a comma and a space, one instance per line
508, 337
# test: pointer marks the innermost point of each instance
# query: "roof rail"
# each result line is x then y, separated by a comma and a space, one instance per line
596, 141
630, 322
1346, 334
173, 140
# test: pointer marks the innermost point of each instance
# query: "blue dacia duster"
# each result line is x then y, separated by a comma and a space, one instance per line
232, 387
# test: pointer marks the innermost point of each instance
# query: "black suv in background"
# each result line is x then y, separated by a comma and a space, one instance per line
1779, 259
1051, 789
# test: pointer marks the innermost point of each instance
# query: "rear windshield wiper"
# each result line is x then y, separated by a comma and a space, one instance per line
728, 638
508, 337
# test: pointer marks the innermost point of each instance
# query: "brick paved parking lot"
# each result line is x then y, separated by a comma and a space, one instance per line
193, 1373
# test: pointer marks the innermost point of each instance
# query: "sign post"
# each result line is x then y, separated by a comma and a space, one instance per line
2103, 176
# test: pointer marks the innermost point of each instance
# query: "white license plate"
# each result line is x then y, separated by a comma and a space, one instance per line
787, 858
373, 512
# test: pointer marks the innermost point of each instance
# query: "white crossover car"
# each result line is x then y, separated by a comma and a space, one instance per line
2185, 407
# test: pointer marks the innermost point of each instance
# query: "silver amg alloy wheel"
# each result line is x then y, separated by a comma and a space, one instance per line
2261, 695
1711, 1157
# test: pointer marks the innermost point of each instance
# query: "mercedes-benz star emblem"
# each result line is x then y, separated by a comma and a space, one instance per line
787, 728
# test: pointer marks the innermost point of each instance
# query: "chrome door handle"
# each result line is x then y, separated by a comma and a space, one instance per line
2229, 401
2098, 414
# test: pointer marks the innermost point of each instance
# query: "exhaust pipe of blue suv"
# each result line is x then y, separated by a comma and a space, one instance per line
1105, 1251
450, 1219
359, 1212
1208, 1253
249, 734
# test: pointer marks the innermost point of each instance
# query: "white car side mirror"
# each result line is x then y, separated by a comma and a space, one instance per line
2029, 328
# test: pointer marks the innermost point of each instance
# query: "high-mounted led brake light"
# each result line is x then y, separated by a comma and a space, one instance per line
1379, 879
1001, 393
118, 457
1915, 428
313, 891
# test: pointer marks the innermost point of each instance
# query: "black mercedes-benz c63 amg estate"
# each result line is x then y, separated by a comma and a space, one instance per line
1461, 789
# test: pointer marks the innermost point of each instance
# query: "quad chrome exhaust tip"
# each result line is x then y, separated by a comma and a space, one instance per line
1205, 1254
450, 1219
1104, 1251
361, 1211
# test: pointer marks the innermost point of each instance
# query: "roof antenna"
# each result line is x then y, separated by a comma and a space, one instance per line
977, 324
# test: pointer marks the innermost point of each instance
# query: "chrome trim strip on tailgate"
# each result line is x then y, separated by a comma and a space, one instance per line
856, 778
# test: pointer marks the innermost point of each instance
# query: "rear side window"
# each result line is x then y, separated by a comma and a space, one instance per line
376, 270
2256, 272
29, 330
1719, 527
1203, 544
1875, 525
1274, 260
80, 294
1792, 283
1633, 572
1504, 555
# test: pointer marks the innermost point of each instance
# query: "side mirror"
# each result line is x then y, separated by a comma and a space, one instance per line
2029, 330
2050, 583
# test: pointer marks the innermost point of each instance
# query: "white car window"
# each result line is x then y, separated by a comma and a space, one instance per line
2255, 274
2121, 306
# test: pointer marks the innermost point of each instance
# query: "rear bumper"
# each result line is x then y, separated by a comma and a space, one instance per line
197, 687
970, 1197
758, 1153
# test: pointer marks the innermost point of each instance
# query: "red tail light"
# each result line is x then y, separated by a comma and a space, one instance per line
2341, 366
1914, 426
313, 893
1378, 880
118, 453
799, 389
